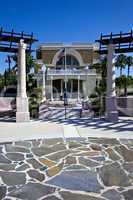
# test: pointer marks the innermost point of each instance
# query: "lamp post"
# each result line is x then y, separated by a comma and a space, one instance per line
65, 101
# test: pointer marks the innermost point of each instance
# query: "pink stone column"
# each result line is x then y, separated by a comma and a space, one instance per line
111, 104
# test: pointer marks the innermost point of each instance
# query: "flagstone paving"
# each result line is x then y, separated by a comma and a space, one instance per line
75, 168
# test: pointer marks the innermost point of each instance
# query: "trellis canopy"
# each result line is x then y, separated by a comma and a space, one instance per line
9, 40
123, 42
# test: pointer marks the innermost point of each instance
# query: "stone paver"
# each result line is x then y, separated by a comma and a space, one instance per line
128, 194
36, 175
88, 162
13, 178
32, 191
7, 167
54, 170
73, 196
4, 159
112, 154
52, 197
2, 191
75, 168
85, 180
113, 174
35, 164
22, 167
11, 148
15, 156
112, 194
126, 153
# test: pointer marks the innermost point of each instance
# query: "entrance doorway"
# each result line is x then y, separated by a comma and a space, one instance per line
72, 89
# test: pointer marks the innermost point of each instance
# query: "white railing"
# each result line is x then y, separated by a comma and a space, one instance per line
73, 95
71, 72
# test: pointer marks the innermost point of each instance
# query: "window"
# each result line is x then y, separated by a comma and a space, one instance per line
71, 61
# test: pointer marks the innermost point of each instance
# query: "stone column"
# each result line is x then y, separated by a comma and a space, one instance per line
22, 114
78, 88
51, 88
85, 95
111, 105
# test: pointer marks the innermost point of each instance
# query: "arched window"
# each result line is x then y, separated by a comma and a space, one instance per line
71, 62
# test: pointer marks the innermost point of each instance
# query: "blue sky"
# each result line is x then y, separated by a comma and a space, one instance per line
66, 20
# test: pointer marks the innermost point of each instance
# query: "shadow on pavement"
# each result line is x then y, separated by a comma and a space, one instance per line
98, 123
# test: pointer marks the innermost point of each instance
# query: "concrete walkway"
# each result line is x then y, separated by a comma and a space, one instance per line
10, 131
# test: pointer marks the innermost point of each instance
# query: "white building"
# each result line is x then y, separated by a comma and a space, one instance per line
68, 66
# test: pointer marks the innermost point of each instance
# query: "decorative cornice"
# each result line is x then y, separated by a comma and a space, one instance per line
76, 45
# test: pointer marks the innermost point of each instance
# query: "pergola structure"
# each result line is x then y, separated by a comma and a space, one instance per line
9, 40
111, 44
19, 43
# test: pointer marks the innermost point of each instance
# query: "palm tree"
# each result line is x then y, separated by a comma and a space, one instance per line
101, 68
29, 62
129, 62
121, 62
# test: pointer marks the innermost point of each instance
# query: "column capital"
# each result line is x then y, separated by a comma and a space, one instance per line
111, 46
22, 44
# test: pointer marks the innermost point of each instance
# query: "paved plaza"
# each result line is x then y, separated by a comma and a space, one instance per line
10, 131
77, 168
67, 160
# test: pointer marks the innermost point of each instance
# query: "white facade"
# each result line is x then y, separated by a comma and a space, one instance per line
71, 70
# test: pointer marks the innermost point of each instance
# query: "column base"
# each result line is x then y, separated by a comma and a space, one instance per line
22, 114
22, 117
112, 116
43, 99
79, 100
111, 109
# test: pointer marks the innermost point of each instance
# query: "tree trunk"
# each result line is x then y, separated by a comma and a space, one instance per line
128, 71
121, 71
125, 88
